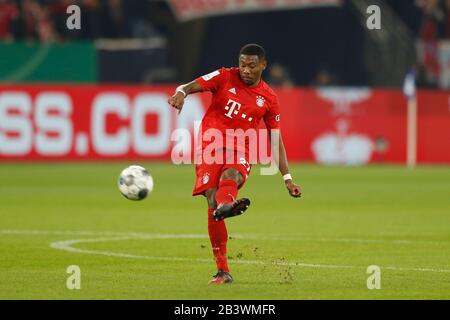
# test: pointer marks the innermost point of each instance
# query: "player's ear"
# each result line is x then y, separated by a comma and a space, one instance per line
264, 64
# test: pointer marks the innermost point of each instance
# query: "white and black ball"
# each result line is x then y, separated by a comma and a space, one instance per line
135, 183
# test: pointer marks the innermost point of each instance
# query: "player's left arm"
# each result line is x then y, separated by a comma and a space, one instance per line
294, 189
272, 121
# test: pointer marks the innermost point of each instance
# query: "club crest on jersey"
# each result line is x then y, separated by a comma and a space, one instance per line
205, 178
260, 101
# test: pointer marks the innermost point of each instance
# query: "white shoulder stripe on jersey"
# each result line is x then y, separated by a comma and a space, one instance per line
210, 75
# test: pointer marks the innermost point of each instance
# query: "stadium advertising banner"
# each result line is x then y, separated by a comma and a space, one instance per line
187, 9
349, 126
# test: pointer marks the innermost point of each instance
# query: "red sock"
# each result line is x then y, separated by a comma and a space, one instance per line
219, 237
227, 191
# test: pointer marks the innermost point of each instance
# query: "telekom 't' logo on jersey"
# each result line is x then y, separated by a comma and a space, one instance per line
232, 107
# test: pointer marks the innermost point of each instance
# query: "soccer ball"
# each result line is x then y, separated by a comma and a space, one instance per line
135, 183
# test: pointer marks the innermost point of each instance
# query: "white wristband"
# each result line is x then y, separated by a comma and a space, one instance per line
287, 177
180, 89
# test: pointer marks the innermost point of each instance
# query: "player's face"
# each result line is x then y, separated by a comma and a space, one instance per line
251, 68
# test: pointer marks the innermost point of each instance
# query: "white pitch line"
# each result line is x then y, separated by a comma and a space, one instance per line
236, 236
67, 245
345, 240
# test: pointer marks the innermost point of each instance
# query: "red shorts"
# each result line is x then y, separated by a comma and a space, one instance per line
208, 175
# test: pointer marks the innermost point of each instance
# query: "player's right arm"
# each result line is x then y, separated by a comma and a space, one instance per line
177, 100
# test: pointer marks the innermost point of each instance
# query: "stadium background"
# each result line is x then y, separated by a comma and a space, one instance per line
76, 106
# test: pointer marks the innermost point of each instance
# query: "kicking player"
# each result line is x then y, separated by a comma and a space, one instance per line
240, 100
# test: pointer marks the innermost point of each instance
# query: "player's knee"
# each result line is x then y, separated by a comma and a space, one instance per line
232, 174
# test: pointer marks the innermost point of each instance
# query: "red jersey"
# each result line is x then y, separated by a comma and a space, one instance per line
236, 105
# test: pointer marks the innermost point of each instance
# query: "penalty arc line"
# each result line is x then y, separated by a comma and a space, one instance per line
67, 245
269, 237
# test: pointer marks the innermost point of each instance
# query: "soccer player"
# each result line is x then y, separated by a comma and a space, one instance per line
240, 99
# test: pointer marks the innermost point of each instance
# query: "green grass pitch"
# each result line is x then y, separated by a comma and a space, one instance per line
317, 247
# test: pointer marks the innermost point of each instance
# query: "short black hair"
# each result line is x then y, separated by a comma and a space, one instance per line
253, 49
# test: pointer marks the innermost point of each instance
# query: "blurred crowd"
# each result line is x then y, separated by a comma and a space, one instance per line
434, 26
435, 20
45, 20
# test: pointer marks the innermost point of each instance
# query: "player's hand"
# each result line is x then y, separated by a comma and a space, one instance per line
177, 101
294, 190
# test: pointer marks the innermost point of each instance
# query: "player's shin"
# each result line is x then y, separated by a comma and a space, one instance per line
219, 237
